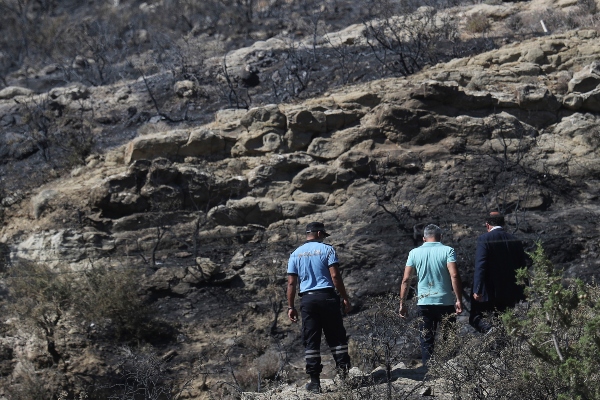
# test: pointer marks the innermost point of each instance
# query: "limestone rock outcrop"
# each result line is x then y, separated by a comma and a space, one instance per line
211, 211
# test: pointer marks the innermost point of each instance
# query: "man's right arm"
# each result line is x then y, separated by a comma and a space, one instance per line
408, 272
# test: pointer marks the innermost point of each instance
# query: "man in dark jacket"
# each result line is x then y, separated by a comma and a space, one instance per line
497, 258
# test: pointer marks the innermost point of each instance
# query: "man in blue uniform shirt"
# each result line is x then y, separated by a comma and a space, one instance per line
439, 288
315, 266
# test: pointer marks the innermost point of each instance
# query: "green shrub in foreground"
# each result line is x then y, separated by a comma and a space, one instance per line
546, 348
561, 329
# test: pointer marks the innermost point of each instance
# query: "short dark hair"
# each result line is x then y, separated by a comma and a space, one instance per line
495, 219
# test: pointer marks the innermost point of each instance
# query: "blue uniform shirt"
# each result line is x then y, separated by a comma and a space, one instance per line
431, 262
311, 263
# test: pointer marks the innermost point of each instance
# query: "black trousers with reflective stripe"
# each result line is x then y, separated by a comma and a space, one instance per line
321, 314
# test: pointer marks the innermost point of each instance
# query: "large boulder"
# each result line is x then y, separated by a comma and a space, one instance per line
203, 142
357, 160
224, 215
279, 167
257, 142
535, 55
339, 119
14, 91
328, 149
291, 162
164, 144
204, 190
261, 174
65, 95
571, 145
587, 79
297, 209
303, 126
319, 178
259, 211
354, 100
264, 118
308, 120
536, 98
435, 93
265, 127
399, 124
119, 195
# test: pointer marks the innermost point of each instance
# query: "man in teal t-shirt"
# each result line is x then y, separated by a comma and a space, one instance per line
439, 290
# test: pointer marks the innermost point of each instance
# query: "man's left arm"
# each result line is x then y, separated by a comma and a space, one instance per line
338, 282
481, 261
456, 285
291, 297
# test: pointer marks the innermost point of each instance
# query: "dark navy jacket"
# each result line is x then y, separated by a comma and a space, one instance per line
499, 254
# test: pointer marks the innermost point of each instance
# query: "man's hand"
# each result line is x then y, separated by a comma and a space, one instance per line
477, 297
347, 305
293, 315
458, 306
403, 310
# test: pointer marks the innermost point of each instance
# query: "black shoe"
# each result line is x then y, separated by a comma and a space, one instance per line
342, 373
313, 387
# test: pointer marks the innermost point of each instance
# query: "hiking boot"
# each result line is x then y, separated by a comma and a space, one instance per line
341, 374
313, 387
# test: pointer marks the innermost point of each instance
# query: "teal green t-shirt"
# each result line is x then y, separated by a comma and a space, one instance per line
435, 286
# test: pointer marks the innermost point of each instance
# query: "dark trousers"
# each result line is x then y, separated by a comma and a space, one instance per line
321, 314
432, 316
479, 310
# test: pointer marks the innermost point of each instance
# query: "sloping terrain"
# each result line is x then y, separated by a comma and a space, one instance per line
206, 213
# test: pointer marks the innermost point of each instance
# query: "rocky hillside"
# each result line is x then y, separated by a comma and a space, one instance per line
206, 214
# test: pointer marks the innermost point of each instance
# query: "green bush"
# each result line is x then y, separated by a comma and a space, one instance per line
561, 329
547, 348
108, 298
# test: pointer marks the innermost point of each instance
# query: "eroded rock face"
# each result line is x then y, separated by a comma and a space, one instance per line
486, 132
221, 206
161, 185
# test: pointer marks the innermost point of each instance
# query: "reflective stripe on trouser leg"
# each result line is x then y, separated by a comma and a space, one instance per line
335, 333
314, 354
339, 349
